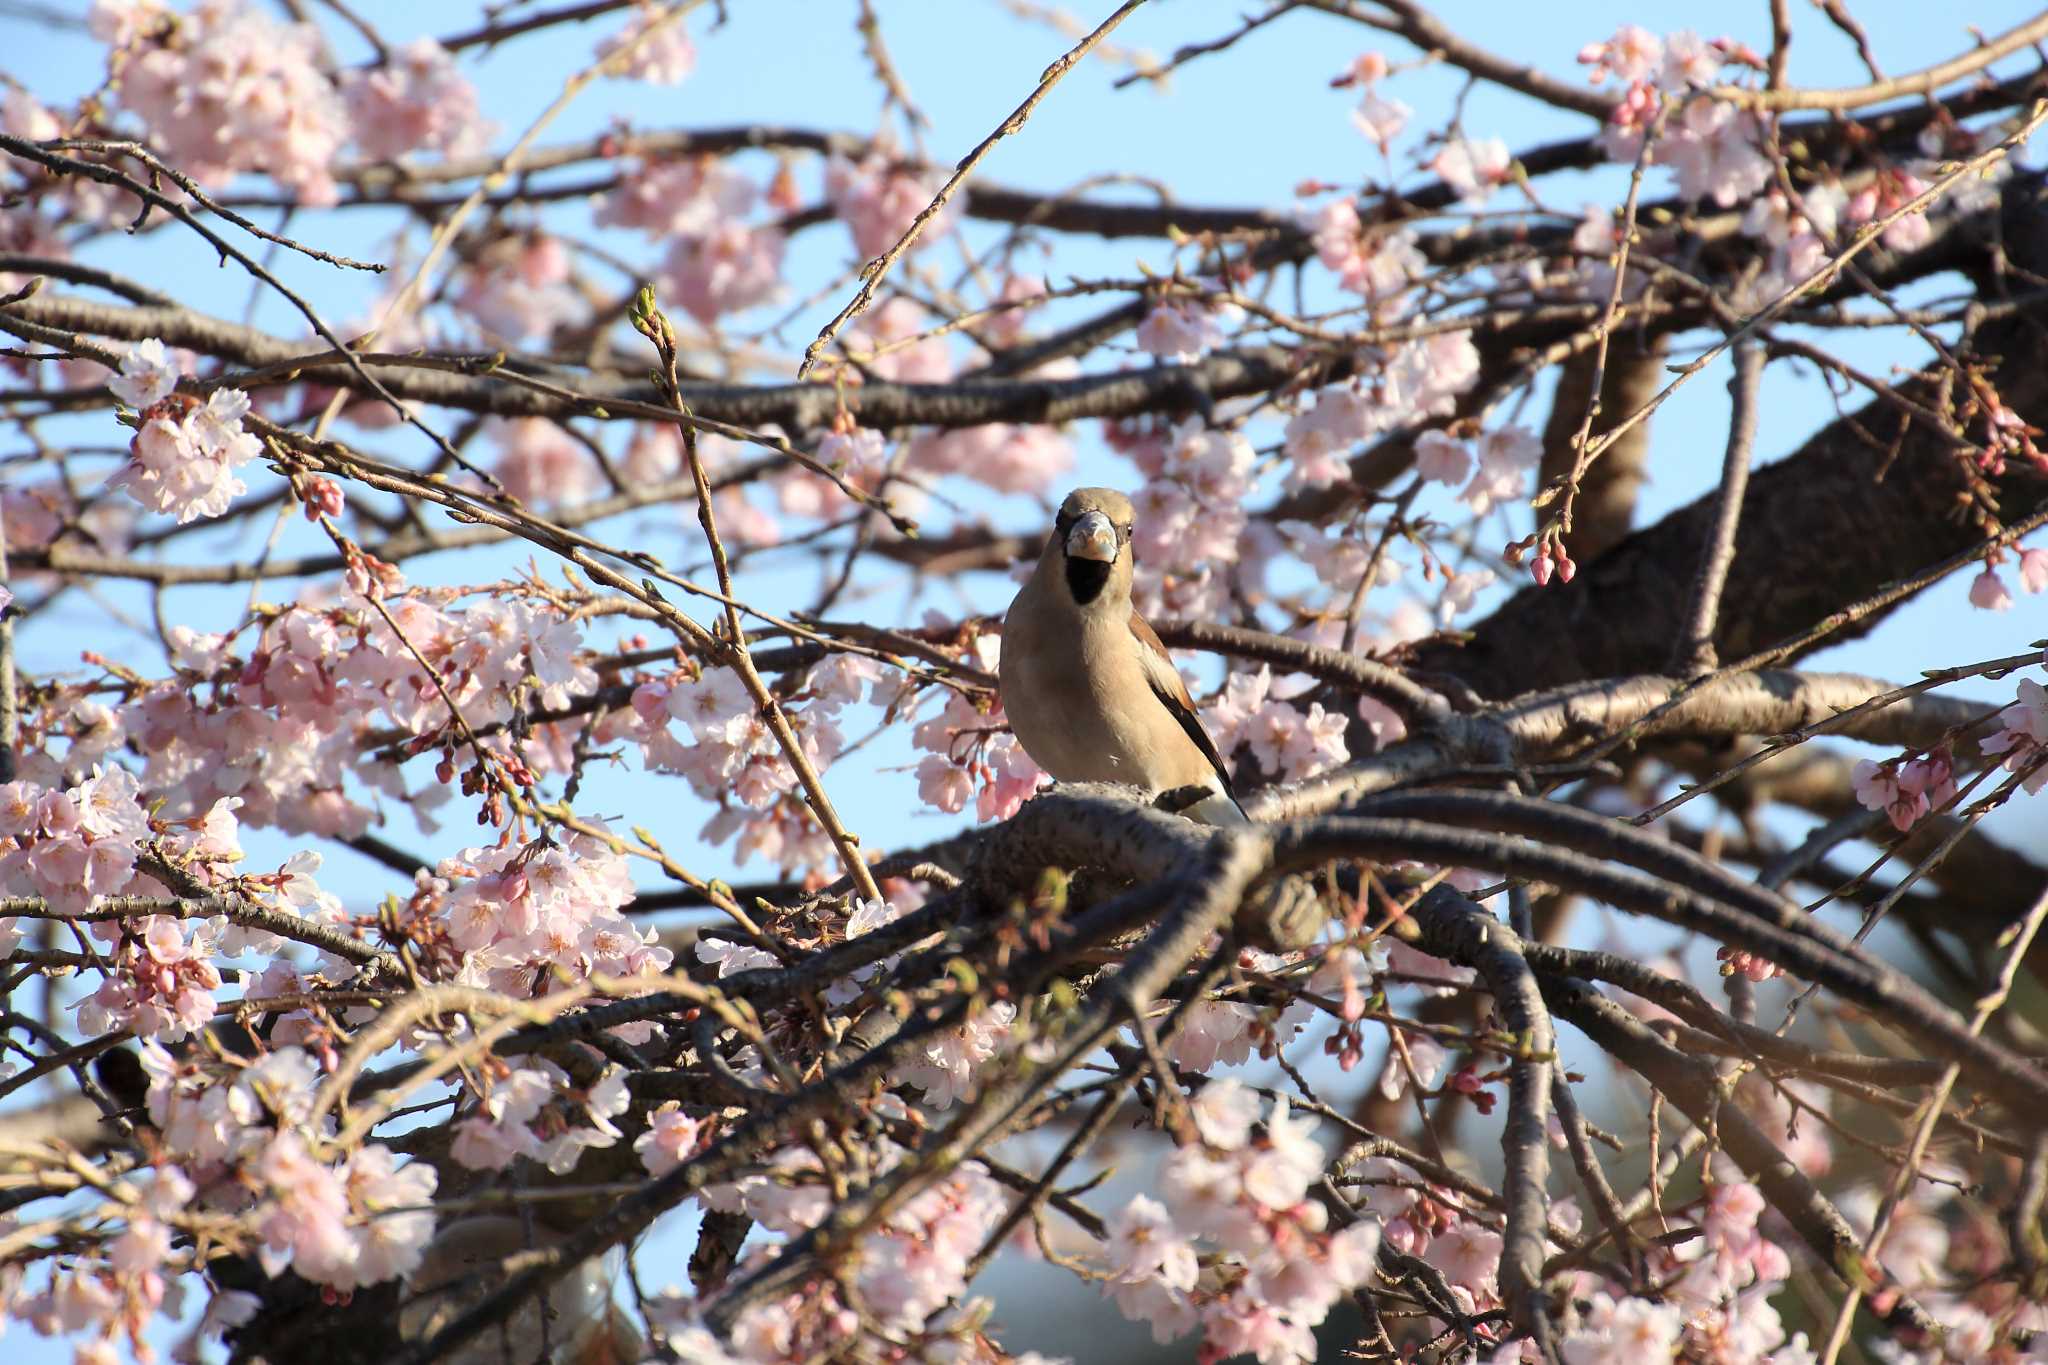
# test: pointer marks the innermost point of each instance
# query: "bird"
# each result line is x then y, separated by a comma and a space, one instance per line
1087, 685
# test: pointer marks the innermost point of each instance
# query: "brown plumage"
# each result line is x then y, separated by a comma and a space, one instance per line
1088, 687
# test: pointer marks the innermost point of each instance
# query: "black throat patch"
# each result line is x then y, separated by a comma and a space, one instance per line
1086, 578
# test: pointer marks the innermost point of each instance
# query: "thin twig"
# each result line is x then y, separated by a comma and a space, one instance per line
1695, 653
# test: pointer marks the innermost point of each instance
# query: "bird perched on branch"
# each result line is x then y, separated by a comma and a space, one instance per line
1088, 687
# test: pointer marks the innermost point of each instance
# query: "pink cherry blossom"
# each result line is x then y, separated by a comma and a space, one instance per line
2034, 570
1989, 593
1320, 438
541, 464
944, 1067
228, 89
1628, 1331
1379, 264
1380, 119
1178, 329
655, 48
670, 1138
878, 198
517, 288
1473, 169
1631, 55
182, 461
148, 374
1442, 458
414, 100
728, 269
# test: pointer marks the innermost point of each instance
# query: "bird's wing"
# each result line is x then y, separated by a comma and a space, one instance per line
1172, 691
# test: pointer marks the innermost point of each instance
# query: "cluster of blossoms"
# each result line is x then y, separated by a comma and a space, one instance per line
1947, 1249
2023, 736
1379, 118
1215, 1033
858, 455
1190, 513
416, 100
225, 89
655, 48
1906, 791
1273, 1269
903, 1274
522, 914
717, 262
1474, 169
1714, 147
1715, 1293
282, 729
535, 1110
878, 197
1380, 262
121, 1295
892, 342
1989, 593
183, 459
250, 1126
733, 758
1184, 329
517, 288
969, 755
1009, 457
1412, 382
75, 845
540, 464
1255, 710
1498, 478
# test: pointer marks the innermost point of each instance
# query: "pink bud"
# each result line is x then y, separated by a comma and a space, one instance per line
323, 498
1540, 568
2034, 570
1567, 568
1989, 593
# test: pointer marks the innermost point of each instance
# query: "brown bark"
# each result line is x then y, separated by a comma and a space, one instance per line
1829, 524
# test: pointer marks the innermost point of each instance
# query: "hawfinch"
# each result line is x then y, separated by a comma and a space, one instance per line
1088, 687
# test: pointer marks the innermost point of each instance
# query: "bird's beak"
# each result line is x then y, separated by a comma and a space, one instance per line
1092, 537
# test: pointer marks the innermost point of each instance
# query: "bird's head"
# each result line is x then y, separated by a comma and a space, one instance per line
1091, 539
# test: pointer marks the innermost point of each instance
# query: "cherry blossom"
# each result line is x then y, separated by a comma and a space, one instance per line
1474, 169
2023, 736
1379, 264
509, 1005
540, 463
2034, 570
148, 374
226, 89
1180, 329
184, 455
414, 100
1320, 437
944, 1067
878, 198
655, 48
1989, 593
1442, 458
726, 270
517, 288
1632, 54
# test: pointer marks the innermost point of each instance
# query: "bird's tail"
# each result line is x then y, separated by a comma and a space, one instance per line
1218, 809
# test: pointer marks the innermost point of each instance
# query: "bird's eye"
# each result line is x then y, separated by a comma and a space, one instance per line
1126, 529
